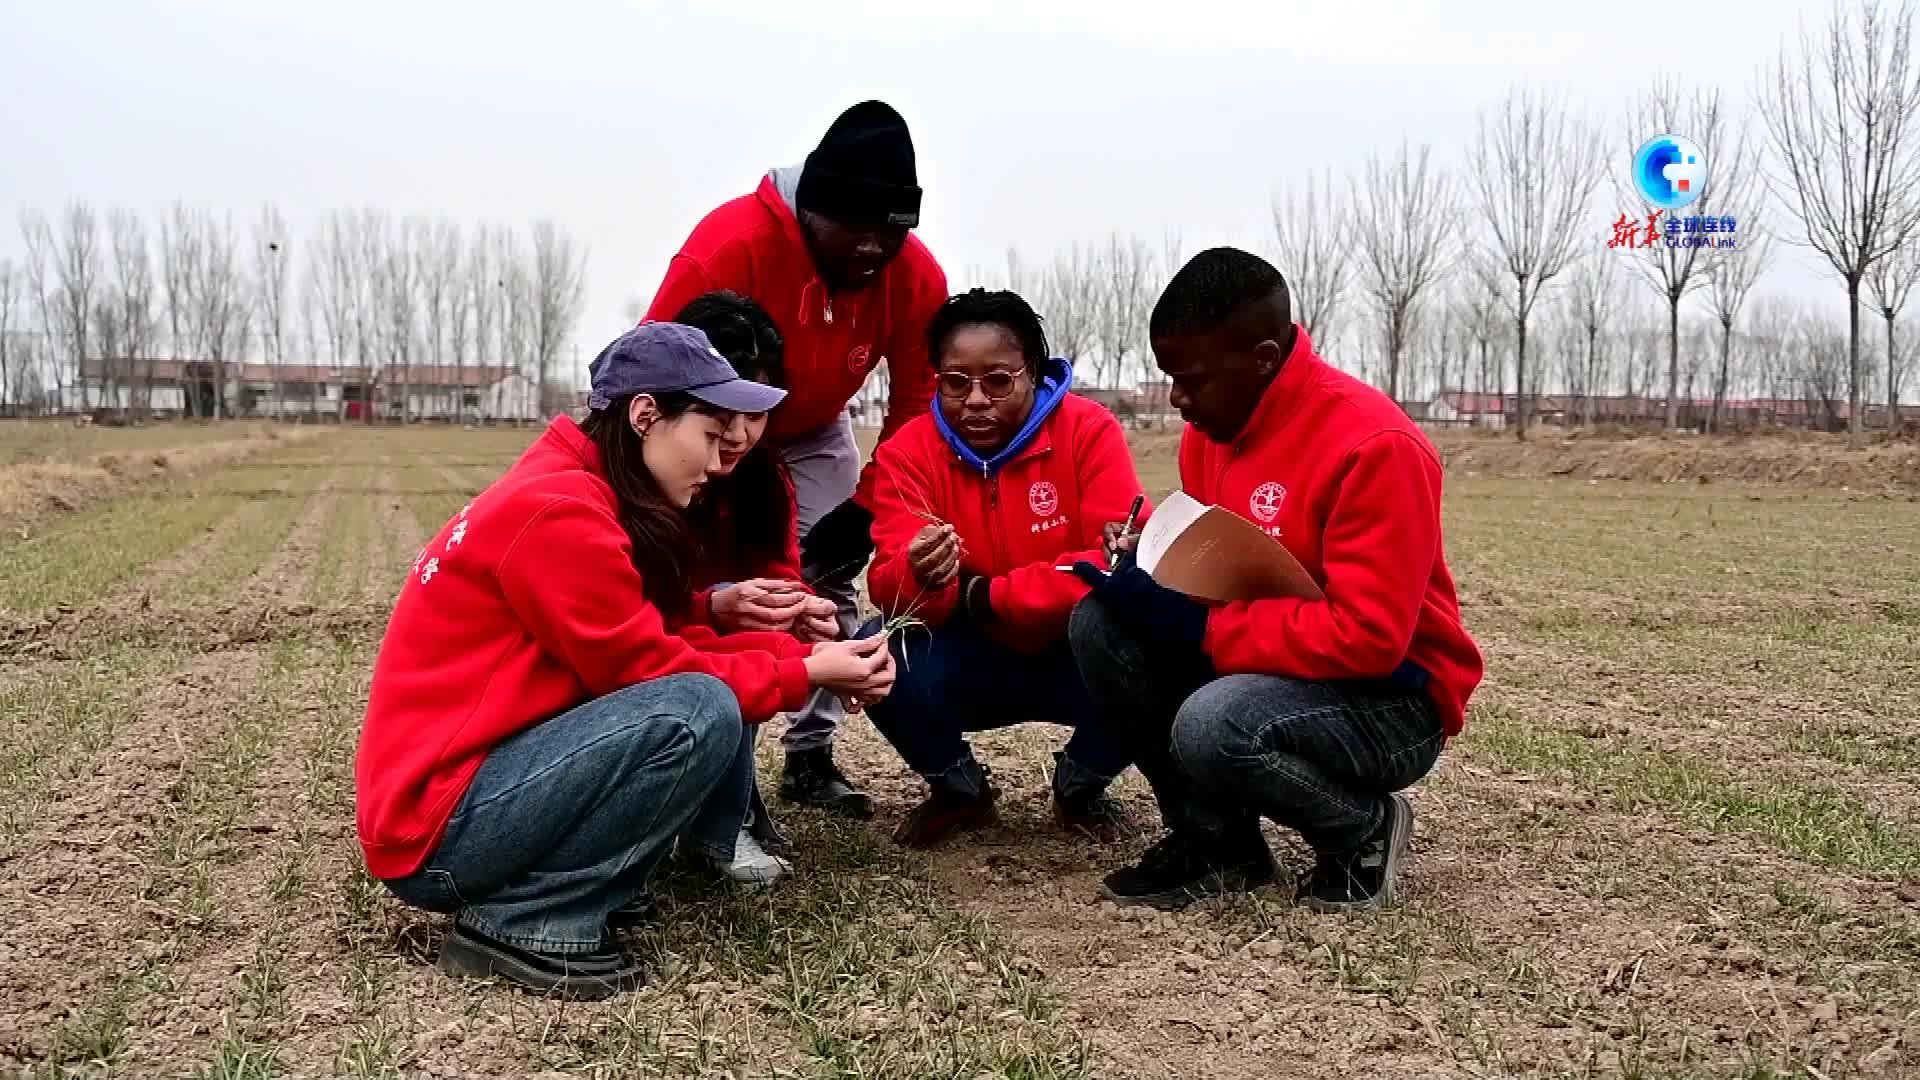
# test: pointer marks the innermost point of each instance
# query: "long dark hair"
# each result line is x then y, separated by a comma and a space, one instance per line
665, 546
743, 518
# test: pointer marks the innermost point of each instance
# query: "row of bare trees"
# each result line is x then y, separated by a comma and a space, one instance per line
89, 310
1404, 248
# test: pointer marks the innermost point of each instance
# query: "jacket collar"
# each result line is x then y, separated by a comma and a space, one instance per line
565, 436
1300, 370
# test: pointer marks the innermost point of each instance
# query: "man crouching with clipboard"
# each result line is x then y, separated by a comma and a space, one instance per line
1312, 711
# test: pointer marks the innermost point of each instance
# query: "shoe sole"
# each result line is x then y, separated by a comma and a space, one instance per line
1397, 847
461, 956
1220, 884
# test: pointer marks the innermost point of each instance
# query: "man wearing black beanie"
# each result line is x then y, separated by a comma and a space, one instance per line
827, 249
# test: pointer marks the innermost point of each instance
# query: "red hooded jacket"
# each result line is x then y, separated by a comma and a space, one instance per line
525, 604
1334, 470
1043, 506
753, 246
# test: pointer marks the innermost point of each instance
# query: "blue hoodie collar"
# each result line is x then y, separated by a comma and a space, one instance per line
1056, 378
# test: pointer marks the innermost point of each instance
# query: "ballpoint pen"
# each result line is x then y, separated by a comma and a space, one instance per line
1133, 515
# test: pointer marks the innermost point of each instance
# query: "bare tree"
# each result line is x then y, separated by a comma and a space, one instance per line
1536, 168
1069, 300
222, 312
1311, 246
1840, 116
1731, 277
368, 270
78, 268
557, 291
1674, 271
179, 262
1821, 368
131, 315
37, 236
1481, 302
13, 291
1019, 277
1889, 282
272, 248
459, 311
437, 263
1406, 217
1594, 302
483, 288
1125, 278
399, 299
309, 329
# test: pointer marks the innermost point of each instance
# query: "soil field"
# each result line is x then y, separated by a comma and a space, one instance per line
1679, 838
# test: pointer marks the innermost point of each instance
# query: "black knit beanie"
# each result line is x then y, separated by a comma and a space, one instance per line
862, 171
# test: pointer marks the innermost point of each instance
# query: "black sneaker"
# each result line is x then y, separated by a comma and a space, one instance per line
588, 976
1096, 816
1363, 878
641, 911
1177, 871
812, 779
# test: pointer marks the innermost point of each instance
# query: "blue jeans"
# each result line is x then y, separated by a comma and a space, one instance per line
954, 679
564, 821
1221, 752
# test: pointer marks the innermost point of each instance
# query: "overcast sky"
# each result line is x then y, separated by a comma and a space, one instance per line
1036, 123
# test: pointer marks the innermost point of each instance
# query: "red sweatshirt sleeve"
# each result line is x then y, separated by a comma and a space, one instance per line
1039, 594
1378, 548
901, 489
784, 646
569, 577
910, 376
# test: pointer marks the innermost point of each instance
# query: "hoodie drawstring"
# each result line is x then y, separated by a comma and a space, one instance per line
806, 307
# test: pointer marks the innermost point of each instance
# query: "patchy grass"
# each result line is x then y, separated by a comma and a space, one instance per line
1680, 837
25, 442
1825, 826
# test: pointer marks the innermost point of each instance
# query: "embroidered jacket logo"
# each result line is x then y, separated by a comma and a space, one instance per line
1266, 501
1043, 498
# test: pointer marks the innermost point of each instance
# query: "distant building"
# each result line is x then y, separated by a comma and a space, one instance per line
483, 393
1462, 408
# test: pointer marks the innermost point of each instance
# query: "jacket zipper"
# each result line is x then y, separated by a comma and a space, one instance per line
826, 305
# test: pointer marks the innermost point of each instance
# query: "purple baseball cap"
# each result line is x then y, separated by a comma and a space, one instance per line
662, 357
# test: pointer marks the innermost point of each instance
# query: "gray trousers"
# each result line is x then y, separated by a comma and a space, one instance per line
825, 467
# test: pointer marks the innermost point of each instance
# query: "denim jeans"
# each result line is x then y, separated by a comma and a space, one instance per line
825, 467
954, 679
564, 821
1221, 752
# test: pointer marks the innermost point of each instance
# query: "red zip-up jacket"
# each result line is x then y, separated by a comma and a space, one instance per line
525, 604
753, 246
1334, 470
1044, 507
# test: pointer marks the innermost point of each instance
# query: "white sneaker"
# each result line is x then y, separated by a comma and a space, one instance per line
752, 867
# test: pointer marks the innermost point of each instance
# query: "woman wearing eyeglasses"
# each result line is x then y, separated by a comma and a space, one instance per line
975, 505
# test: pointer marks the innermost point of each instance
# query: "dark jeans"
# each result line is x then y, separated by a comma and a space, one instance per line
954, 679
564, 821
1221, 752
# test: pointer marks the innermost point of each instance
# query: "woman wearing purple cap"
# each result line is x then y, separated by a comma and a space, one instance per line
545, 719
